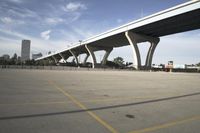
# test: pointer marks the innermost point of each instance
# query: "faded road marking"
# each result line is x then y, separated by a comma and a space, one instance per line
73, 99
166, 125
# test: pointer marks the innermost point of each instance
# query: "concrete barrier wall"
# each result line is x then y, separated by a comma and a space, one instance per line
55, 68
67, 68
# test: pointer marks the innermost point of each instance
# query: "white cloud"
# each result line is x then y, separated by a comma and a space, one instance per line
13, 45
74, 6
45, 35
83, 32
6, 20
16, 1
14, 34
75, 16
54, 21
22, 12
11, 22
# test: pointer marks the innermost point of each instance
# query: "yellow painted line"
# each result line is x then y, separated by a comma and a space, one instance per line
166, 125
97, 118
33, 103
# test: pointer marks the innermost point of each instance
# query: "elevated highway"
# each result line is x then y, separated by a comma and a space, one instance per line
181, 18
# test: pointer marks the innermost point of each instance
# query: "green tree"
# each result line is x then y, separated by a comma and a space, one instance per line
30, 62
119, 61
13, 60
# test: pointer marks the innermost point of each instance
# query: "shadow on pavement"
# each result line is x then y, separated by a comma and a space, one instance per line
98, 108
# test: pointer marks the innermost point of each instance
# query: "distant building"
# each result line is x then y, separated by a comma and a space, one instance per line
179, 66
6, 57
170, 63
19, 58
25, 51
35, 56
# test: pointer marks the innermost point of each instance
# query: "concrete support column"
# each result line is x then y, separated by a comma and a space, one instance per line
55, 60
75, 56
85, 60
105, 57
133, 40
91, 52
150, 53
136, 54
62, 57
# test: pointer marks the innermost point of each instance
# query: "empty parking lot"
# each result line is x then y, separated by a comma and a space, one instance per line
40, 101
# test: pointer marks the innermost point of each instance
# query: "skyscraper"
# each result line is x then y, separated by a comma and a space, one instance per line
25, 51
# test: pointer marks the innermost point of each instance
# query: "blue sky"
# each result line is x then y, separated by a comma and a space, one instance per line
55, 24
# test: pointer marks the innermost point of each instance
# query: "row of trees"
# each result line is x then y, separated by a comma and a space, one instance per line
117, 62
120, 62
198, 64
15, 60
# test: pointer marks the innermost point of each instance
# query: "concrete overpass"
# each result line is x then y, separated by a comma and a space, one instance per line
181, 18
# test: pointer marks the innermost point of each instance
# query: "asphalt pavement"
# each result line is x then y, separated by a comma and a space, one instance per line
57, 101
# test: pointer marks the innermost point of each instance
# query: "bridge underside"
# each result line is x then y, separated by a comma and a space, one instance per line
150, 32
173, 25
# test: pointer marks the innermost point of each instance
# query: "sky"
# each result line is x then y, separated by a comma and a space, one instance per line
52, 25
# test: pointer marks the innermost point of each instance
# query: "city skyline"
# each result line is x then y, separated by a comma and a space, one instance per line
76, 20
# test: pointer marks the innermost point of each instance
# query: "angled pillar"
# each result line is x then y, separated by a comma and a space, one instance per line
75, 56
65, 55
105, 57
91, 52
152, 48
134, 39
85, 60
62, 57
136, 54
54, 58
